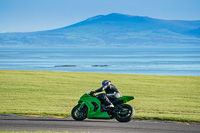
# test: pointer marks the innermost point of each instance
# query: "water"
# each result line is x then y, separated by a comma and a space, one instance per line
148, 61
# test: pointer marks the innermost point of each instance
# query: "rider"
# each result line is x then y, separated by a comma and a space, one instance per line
111, 93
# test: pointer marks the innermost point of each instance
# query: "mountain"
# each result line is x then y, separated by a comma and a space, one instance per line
111, 29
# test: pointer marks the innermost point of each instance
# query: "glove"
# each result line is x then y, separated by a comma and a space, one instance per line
92, 92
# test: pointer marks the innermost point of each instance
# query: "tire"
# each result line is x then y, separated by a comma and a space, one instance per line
126, 114
79, 114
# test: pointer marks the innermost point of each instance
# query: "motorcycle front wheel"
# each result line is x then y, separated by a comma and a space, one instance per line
79, 113
125, 114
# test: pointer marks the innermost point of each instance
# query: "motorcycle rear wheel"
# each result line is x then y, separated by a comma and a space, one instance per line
79, 114
126, 114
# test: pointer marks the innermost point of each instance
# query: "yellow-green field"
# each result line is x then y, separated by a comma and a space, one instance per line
55, 93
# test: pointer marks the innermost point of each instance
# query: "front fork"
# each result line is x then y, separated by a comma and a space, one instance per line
81, 105
80, 109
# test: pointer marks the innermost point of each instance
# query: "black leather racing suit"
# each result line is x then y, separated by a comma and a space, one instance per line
111, 93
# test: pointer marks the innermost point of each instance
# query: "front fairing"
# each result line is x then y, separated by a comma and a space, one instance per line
93, 112
83, 97
86, 97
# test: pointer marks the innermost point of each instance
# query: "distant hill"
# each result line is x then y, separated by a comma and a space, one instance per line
111, 29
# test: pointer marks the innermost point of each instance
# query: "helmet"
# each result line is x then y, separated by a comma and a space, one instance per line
105, 82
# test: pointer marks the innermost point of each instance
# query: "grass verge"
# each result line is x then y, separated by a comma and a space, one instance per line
47, 93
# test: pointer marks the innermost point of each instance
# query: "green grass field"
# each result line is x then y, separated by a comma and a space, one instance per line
47, 93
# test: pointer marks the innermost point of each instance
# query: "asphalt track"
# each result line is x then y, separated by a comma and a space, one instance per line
27, 123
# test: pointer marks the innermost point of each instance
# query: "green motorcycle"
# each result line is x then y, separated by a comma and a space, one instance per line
91, 107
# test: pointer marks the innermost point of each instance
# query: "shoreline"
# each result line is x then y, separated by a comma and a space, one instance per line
101, 73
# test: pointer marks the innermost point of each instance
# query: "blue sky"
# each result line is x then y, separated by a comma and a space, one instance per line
37, 15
